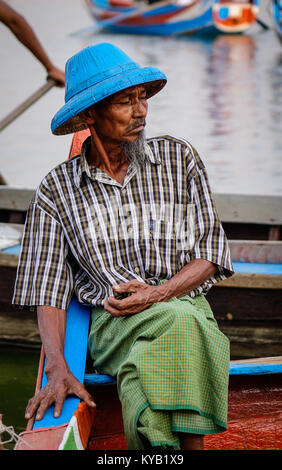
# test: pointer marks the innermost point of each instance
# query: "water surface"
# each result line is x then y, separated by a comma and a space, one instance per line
18, 372
223, 94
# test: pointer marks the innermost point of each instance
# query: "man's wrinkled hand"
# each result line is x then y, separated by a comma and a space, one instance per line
59, 385
142, 297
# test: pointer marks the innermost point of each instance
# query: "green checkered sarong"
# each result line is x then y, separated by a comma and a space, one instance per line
172, 368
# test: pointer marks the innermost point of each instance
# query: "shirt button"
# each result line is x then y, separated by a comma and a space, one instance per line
137, 270
129, 229
123, 190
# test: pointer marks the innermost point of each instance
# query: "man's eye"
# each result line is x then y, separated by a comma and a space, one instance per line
124, 102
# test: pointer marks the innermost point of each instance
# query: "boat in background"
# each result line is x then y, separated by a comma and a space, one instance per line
176, 17
234, 16
276, 9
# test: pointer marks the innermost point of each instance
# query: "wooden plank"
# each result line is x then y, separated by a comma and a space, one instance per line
17, 199
10, 234
231, 207
258, 366
78, 317
253, 339
252, 281
256, 251
241, 304
249, 208
250, 368
2, 180
254, 415
19, 328
260, 360
8, 261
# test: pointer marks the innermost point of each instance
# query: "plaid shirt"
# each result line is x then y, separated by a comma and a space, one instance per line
86, 232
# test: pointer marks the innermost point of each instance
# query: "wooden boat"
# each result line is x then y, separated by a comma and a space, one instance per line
255, 404
234, 17
276, 9
165, 18
255, 390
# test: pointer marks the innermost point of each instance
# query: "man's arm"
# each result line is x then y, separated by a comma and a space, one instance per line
143, 295
25, 34
61, 382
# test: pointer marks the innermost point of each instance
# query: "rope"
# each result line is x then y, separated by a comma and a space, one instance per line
13, 436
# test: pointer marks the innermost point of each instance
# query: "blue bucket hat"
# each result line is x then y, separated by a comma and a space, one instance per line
95, 73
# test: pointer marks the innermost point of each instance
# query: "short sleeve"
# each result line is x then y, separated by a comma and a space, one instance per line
44, 275
210, 240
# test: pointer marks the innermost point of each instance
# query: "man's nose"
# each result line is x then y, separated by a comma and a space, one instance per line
140, 108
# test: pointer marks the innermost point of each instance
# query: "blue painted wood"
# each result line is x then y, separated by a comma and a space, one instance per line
277, 17
78, 317
257, 268
98, 379
12, 250
202, 23
238, 368
251, 368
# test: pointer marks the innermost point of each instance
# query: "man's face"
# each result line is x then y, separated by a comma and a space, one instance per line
121, 118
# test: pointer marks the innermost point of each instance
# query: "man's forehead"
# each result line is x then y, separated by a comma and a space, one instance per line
129, 91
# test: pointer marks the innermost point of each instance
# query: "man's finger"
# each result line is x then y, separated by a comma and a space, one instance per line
130, 286
32, 405
82, 393
117, 304
45, 403
114, 311
59, 403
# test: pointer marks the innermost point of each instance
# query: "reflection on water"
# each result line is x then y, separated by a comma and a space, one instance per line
223, 94
230, 79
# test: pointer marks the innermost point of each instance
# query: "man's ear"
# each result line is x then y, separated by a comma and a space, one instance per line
87, 116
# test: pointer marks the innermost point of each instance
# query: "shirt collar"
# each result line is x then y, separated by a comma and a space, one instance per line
91, 171
153, 157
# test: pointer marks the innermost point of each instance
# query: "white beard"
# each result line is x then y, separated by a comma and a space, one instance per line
135, 151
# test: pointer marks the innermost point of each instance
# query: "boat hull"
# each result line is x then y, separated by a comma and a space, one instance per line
169, 19
232, 17
254, 418
277, 17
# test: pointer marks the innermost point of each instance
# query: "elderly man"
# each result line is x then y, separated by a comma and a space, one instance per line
130, 227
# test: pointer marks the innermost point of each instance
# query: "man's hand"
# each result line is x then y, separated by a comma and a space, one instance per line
61, 382
57, 75
142, 297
